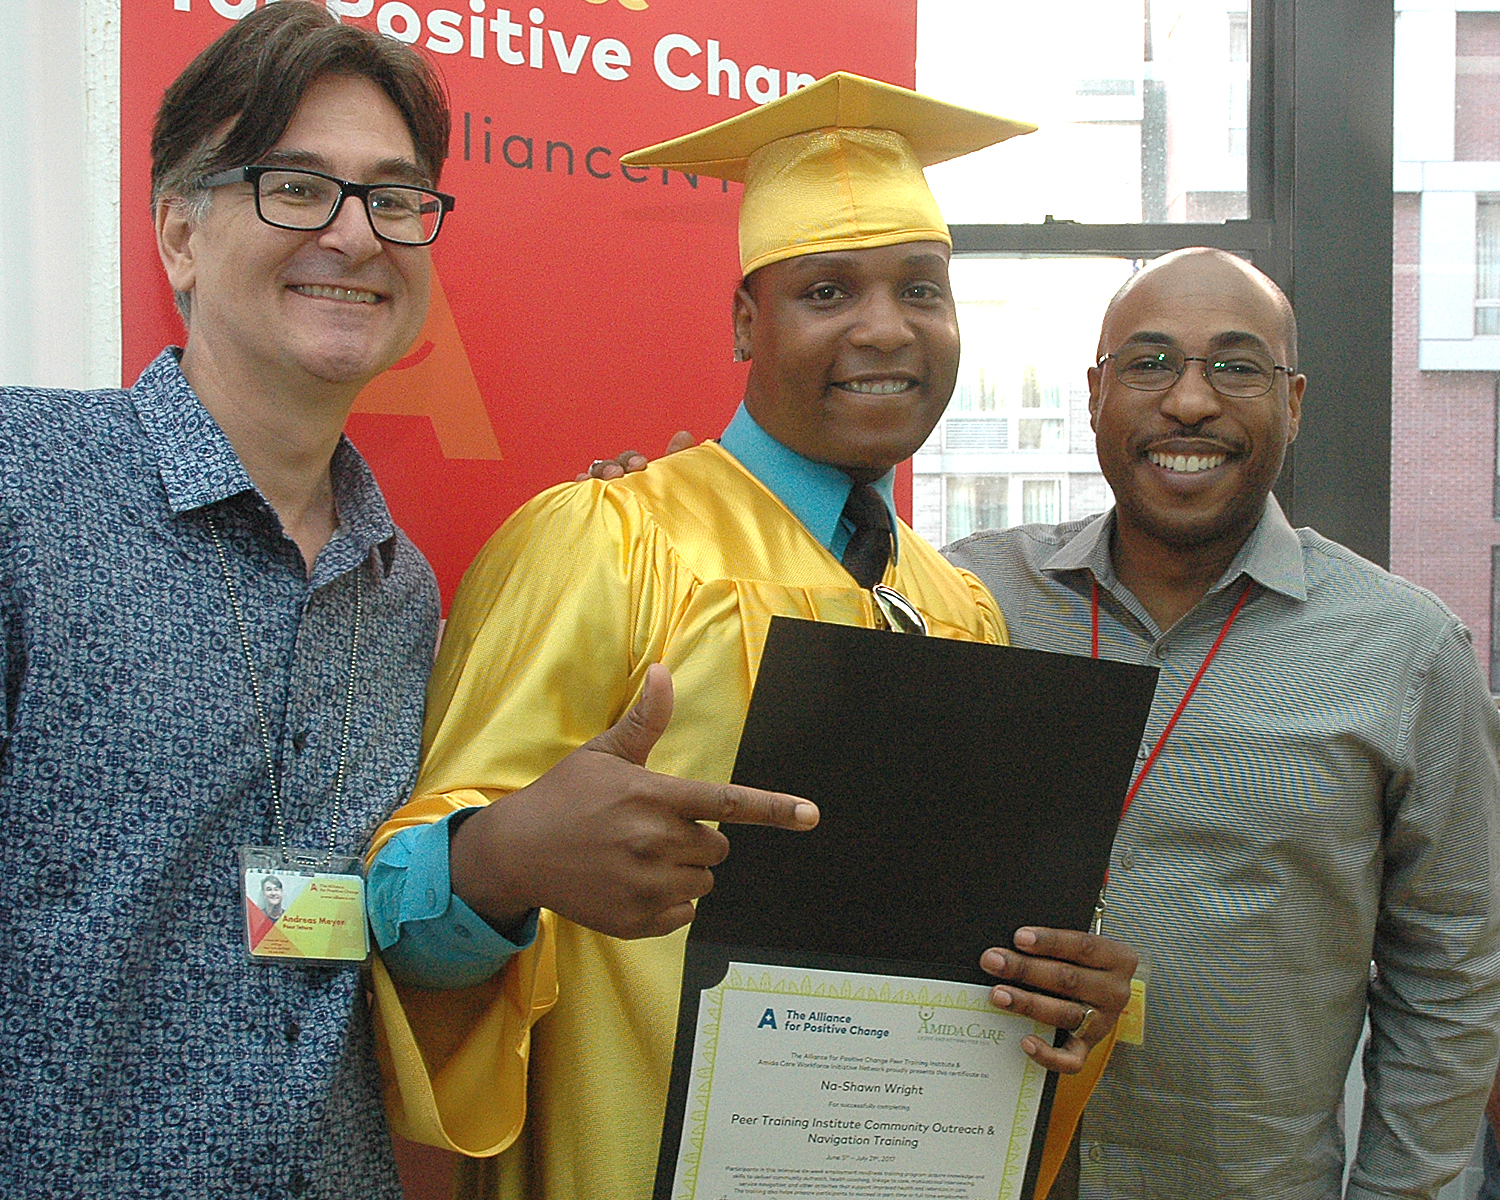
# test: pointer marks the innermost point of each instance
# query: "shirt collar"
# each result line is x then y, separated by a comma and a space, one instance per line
1271, 555
199, 466
363, 515
813, 492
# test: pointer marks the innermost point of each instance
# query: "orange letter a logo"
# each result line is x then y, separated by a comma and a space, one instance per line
436, 381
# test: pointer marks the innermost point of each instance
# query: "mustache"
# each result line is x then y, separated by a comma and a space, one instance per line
1202, 433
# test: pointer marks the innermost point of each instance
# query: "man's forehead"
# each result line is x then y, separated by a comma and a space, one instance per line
902, 260
924, 255
348, 125
1196, 304
398, 168
1223, 340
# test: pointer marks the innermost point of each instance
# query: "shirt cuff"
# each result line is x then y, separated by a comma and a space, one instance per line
428, 937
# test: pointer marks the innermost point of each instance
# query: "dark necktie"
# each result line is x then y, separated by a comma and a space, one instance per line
869, 547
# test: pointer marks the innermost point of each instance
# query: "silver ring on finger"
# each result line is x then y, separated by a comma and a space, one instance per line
1081, 1030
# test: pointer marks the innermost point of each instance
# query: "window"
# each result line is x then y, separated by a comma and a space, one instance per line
1040, 435
976, 502
1130, 177
1020, 410
1487, 266
1034, 394
961, 434
1239, 37
1239, 114
1041, 501
1087, 495
1132, 101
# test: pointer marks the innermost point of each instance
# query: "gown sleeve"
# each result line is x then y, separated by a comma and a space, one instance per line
546, 645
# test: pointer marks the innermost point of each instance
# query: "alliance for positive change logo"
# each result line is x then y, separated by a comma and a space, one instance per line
793, 1020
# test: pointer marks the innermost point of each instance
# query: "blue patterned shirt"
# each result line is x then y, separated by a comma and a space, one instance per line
141, 1053
1330, 795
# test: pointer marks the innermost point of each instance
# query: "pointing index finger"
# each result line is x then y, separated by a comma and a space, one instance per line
733, 804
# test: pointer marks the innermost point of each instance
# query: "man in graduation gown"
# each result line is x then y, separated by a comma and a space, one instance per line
555, 902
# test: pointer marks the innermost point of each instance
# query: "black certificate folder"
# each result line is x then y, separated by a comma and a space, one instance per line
965, 790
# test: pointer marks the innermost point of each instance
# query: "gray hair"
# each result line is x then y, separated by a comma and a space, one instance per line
180, 189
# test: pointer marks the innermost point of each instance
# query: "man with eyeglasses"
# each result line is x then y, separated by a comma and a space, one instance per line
215, 643
1327, 797
212, 636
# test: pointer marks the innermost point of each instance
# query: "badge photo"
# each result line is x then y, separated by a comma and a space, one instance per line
303, 907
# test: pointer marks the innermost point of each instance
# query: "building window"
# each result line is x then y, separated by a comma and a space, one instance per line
1105, 87
1088, 495
1041, 501
1487, 266
977, 502
1239, 85
1040, 435
1239, 37
1239, 114
978, 391
975, 434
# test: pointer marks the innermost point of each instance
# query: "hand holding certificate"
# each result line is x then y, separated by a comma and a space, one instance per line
966, 791
1052, 963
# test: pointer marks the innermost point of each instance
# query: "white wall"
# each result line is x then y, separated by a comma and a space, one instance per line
59, 206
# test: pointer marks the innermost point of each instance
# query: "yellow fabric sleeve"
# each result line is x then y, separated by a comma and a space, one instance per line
515, 688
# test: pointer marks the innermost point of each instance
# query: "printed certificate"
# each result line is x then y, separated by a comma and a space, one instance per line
808, 1083
965, 790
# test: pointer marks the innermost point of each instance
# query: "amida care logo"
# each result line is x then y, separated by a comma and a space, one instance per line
948, 1028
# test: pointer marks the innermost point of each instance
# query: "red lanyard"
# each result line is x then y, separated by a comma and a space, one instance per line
1186, 696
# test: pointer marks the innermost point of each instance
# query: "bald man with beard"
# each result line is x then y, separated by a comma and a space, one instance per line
1318, 839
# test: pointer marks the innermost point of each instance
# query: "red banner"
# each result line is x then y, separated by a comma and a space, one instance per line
579, 307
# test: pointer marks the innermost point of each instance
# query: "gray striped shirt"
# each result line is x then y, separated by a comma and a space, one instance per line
1330, 796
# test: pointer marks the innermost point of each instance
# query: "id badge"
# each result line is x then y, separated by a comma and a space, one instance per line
1132, 1024
303, 907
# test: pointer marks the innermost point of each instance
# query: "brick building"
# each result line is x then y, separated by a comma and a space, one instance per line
1445, 475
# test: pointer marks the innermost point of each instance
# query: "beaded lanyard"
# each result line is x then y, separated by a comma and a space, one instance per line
260, 708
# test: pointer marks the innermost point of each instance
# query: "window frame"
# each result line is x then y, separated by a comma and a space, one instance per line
1321, 203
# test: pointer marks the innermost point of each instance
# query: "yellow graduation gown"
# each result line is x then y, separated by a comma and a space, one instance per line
547, 645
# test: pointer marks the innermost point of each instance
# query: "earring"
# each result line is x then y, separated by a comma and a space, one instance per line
741, 354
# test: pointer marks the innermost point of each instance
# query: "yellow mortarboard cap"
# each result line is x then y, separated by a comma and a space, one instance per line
833, 166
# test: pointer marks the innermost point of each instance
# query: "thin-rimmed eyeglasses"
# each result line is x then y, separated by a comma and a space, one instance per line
1242, 373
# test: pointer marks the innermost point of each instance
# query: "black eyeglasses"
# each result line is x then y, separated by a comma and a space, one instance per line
1242, 372
308, 200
